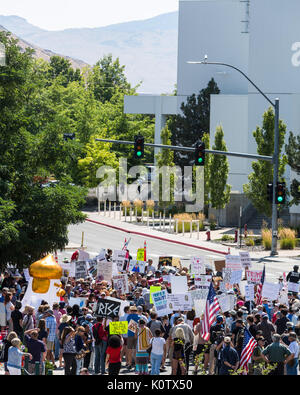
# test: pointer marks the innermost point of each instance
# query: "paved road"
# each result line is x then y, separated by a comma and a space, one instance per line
97, 237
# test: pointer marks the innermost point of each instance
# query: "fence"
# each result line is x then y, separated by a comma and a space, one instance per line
150, 218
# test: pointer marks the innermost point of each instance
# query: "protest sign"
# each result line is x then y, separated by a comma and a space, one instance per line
160, 302
120, 283
198, 294
83, 255
236, 276
80, 270
233, 262
79, 301
202, 282
108, 308
176, 262
199, 305
249, 292
226, 302
293, 287
154, 288
245, 259
270, 291
197, 266
179, 284
104, 271
26, 274
165, 261
182, 302
219, 265
118, 328
133, 326
119, 258
140, 254
92, 267
253, 276
136, 266
283, 297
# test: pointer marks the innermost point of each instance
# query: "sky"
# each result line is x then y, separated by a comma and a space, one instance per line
63, 14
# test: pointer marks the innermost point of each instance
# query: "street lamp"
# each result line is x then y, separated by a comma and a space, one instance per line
275, 105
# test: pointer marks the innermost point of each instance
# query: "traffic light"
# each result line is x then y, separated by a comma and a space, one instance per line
270, 192
280, 196
139, 143
200, 154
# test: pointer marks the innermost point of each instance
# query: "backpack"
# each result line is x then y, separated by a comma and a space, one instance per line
96, 335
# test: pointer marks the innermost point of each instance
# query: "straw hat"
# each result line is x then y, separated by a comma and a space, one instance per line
65, 318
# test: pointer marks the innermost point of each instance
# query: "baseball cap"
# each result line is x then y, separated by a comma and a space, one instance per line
227, 339
219, 318
89, 317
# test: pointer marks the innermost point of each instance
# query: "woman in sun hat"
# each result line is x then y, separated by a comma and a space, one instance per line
64, 322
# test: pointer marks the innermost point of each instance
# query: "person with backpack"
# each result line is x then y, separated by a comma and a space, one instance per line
101, 337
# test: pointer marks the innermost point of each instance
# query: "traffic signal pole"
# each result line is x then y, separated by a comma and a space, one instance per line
275, 180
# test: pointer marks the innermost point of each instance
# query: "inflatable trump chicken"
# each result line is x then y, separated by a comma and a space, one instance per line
44, 283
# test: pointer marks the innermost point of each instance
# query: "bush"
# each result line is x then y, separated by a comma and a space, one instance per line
212, 222
258, 241
187, 218
249, 241
126, 207
267, 238
227, 238
287, 244
287, 233
138, 206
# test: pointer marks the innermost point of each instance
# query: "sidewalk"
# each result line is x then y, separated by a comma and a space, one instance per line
187, 239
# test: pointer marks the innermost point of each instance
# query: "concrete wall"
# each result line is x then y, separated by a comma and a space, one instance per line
211, 27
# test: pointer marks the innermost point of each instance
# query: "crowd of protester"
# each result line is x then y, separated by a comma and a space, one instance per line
79, 342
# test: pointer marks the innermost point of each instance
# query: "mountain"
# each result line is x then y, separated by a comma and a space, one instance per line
147, 48
45, 54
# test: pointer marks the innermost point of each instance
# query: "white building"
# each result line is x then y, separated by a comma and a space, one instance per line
260, 37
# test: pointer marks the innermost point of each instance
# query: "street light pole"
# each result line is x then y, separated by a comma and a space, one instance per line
275, 105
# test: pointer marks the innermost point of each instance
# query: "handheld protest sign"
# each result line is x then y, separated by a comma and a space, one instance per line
107, 308
118, 328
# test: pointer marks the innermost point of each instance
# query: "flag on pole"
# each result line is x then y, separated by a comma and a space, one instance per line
210, 314
145, 251
258, 296
249, 343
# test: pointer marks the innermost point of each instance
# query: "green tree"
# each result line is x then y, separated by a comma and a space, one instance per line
107, 78
60, 68
188, 129
219, 169
293, 156
262, 175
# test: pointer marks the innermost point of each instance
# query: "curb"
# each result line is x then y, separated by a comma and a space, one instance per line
157, 237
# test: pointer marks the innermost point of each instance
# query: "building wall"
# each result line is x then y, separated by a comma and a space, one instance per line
211, 27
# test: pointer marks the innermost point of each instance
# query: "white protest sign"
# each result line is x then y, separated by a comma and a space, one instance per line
199, 305
226, 302
101, 256
225, 285
233, 262
293, 287
182, 302
120, 283
26, 274
79, 301
197, 266
270, 291
202, 283
83, 256
119, 257
245, 259
236, 277
253, 276
104, 271
160, 301
198, 294
249, 292
80, 269
179, 284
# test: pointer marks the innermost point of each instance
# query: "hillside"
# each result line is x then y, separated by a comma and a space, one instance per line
147, 48
45, 54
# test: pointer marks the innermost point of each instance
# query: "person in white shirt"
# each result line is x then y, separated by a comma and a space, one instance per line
291, 367
158, 352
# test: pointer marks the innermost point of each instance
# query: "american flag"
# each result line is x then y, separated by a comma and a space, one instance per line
258, 296
249, 344
210, 314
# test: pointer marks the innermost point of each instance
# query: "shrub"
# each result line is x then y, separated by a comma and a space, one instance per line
212, 222
287, 233
267, 238
258, 241
126, 207
185, 217
138, 205
249, 241
227, 238
150, 207
287, 244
